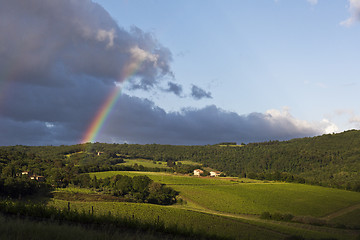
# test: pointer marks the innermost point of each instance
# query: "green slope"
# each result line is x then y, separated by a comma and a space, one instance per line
231, 196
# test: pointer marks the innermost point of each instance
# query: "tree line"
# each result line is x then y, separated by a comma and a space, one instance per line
328, 160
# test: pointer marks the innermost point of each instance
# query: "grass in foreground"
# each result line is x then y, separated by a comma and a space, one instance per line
199, 222
12, 228
183, 219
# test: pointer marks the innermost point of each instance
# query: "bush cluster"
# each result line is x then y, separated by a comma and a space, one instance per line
18, 187
277, 216
136, 189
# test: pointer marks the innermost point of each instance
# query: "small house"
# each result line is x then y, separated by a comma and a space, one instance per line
198, 172
37, 178
215, 173
25, 173
40, 178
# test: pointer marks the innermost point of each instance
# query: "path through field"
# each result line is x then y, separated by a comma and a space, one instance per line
283, 227
341, 212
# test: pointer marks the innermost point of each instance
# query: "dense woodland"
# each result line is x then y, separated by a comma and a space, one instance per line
328, 160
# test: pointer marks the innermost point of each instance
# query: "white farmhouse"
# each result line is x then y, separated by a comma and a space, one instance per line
198, 172
215, 173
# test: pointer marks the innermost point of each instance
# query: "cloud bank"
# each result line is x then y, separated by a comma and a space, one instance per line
207, 125
48, 42
136, 120
60, 59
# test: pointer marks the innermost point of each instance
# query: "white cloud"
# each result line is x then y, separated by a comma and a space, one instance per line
275, 115
103, 35
328, 127
313, 2
49, 125
140, 55
283, 116
355, 119
354, 9
348, 117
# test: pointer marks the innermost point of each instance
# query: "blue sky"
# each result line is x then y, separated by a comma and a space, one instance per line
191, 72
257, 55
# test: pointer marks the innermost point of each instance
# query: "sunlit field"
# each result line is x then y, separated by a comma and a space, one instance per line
237, 196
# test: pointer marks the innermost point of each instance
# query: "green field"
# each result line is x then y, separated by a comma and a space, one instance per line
229, 207
153, 164
186, 162
174, 179
229, 227
144, 162
296, 199
233, 196
17, 228
351, 219
170, 216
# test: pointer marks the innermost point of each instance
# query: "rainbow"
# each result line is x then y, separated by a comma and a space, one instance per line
104, 111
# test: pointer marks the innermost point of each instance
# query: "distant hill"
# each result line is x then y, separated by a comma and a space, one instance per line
328, 160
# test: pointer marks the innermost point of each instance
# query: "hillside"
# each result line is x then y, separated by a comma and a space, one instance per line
328, 160
124, 178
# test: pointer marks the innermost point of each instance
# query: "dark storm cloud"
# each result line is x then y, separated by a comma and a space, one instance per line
42, 42
50, 115
137, 120
59, 60
141, 121
199, 93
174, 88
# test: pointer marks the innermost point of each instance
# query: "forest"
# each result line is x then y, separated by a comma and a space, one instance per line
329, 160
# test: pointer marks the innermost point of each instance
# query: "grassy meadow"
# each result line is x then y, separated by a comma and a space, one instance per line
153, 164
16, 228
202, 222
144, 162
170, 216
243, 196
228, 208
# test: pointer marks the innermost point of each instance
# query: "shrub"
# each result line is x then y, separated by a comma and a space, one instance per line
265, 215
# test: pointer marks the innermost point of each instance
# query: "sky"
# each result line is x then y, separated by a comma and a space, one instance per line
177, 72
